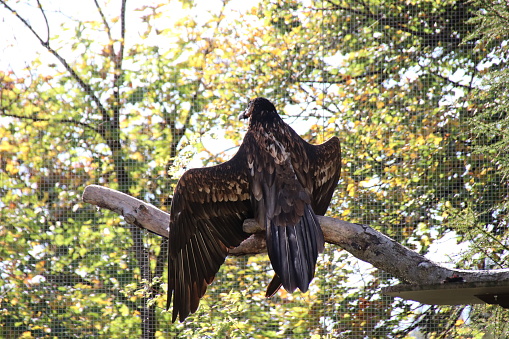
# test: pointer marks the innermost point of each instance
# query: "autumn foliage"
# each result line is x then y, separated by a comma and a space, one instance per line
125, 95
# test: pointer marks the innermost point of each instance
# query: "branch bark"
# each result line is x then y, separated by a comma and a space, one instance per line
361, 241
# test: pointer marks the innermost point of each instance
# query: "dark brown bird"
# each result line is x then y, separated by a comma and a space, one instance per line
277, 178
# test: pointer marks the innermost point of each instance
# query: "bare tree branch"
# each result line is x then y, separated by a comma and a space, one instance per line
120, 56
58, 121
84, 86
117, 77
345, 78
46, 20
103, 18
362, 241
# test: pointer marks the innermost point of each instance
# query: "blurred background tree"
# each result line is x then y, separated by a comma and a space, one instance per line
129, 95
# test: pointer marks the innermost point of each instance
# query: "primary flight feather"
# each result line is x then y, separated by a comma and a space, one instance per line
277, 178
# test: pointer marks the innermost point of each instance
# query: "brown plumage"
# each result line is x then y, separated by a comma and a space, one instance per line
277, 178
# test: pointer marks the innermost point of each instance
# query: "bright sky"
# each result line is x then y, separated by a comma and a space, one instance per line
18, 46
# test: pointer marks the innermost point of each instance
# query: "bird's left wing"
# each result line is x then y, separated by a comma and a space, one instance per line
324, 169
208, 209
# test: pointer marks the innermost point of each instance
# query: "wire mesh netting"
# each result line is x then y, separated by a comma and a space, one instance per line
129, 95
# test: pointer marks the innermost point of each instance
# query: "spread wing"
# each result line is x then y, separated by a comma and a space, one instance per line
325, 169
208, 209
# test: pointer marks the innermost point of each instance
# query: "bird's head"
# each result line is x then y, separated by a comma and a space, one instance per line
260, 110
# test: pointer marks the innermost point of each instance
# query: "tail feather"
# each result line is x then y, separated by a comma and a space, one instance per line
274, 286
293, 251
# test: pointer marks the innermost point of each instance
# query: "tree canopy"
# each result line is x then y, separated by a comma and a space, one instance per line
128, 95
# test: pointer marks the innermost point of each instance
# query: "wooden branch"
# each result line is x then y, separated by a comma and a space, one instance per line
362, 241
134, 211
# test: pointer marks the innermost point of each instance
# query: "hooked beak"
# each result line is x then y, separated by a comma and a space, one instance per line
243, 115
246, 113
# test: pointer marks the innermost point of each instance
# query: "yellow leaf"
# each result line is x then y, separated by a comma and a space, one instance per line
391, 169
124, 123
6, 147
137, 156
40, 265
351, 190
420, 140
11, 168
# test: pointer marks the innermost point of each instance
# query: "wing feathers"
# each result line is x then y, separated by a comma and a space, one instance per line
208, 209
325, 169
278, 178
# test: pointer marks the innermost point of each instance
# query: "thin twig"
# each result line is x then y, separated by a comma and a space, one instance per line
66, 121
346, 78
85, 87
46, 20
105, 23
